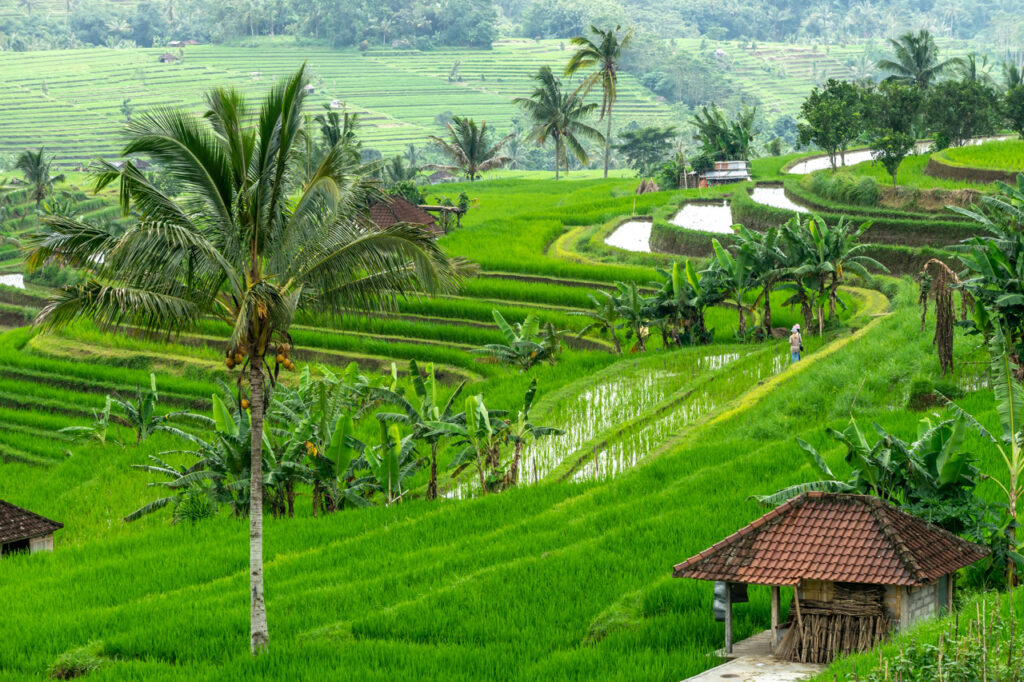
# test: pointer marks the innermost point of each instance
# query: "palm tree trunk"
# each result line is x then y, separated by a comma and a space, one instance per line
259, 635
615, 340
607, 140
558, 148
767, 310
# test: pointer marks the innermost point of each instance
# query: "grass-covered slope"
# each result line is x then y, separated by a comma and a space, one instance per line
553, 581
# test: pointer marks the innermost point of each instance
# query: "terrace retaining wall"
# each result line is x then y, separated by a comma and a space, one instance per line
937, 169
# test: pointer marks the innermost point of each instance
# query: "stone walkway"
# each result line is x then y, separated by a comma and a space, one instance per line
752, 661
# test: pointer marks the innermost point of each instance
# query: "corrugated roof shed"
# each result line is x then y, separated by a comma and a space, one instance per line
21, 524
834, 537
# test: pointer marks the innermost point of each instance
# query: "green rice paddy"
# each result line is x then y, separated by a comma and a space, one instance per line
566, 578
1005, 155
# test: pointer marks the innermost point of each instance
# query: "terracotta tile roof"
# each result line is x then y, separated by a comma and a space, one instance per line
835, 537
21, 524
394, 210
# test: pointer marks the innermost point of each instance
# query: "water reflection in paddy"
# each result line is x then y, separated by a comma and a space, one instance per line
705, 218
16, 281
633, 235
775, 196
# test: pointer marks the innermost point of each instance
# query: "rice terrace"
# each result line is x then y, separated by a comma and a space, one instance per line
511, 340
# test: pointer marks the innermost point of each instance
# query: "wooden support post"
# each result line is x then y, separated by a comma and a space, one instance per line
776, 609
728, 618
950, 580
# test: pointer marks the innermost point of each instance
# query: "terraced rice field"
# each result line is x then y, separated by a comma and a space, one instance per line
70, 102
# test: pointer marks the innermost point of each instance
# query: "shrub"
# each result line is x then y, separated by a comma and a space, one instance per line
78, 662
845, 188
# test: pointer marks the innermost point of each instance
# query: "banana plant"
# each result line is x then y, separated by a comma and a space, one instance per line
419, 419
635, 310
526, 343
393, 462
522, 430
1009, 396
933, 467
734, 277
603, 315
97, 430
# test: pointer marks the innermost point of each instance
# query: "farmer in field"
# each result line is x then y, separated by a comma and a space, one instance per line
796, 343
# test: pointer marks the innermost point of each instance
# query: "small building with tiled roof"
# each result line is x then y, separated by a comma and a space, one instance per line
859, 567
393, 210
25, 531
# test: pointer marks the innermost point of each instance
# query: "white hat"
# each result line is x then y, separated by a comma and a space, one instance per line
796, 327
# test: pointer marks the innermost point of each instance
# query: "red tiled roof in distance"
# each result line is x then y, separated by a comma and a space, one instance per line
835, 537
21, 524
393, 210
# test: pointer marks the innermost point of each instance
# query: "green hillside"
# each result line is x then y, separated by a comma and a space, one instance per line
70, 101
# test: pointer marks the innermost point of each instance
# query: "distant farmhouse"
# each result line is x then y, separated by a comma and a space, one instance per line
394, 210
726, 172
25, 531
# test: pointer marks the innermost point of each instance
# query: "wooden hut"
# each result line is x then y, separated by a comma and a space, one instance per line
167, 58
24, 531
393, 210
859, 567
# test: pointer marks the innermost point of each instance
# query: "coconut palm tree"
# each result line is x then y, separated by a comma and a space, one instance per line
559, 116
602, 55
916, 59
1013, 74
470, 149
973, 68
249, 241
36, 167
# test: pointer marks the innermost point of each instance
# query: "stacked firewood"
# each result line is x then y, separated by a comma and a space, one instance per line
855, 620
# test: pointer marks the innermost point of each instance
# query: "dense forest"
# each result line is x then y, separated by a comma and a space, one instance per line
424, 24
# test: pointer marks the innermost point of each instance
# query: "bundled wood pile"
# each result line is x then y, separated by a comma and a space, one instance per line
855, 620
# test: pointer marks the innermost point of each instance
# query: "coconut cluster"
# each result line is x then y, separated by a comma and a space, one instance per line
282, 356
235, 357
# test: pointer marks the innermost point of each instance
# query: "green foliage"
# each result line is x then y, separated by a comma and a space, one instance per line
527, 343
845, 188
559, 116
646, 148
956, 111
915, 59
723, 139
78, 662
1013, 109
470, 148
890, 150
833, 117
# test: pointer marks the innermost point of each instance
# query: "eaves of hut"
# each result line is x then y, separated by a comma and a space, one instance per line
393, 210
25, 531
859, 567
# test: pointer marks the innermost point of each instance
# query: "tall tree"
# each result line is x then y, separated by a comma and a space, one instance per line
559, 116
890, 113
36, 166
602, 54
646, 148
470, 148
248, 242
915, 59
972, 67
956, 111
832, 118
